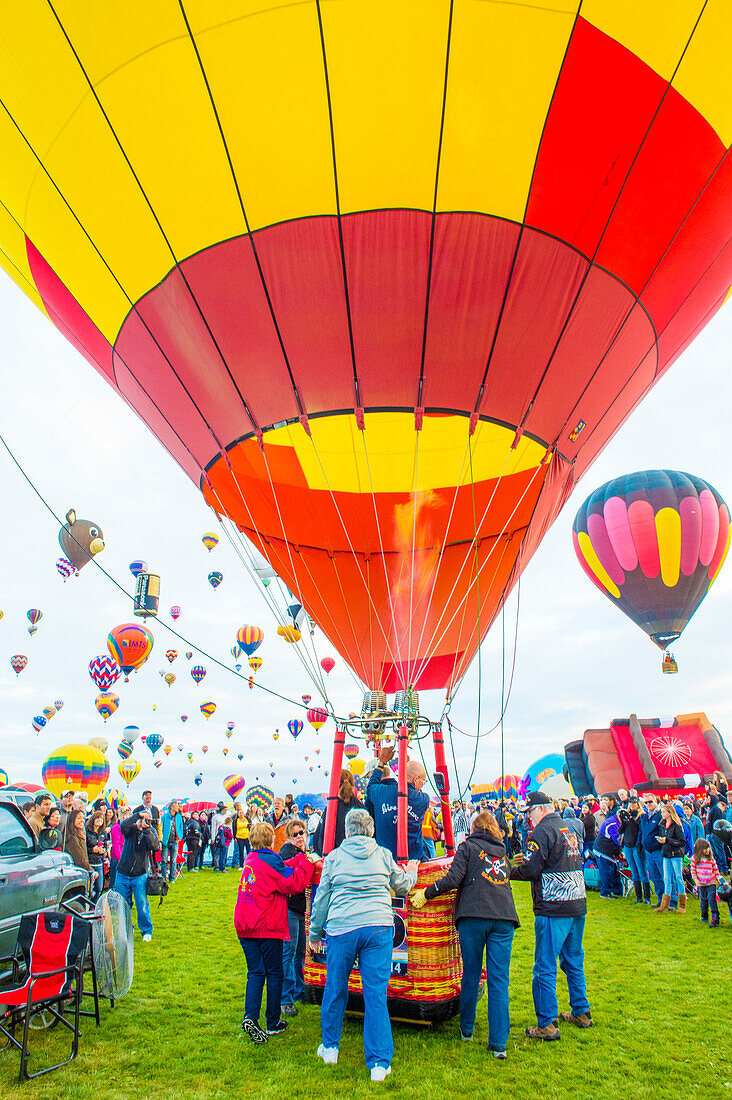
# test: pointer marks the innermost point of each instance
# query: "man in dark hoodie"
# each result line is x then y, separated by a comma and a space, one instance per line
553, 865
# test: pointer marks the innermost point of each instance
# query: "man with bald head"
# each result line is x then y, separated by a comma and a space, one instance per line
382, 794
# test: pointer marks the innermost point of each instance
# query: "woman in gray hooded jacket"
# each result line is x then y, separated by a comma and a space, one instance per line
353, 907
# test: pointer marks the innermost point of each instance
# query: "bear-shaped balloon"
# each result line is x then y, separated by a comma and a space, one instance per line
80, 539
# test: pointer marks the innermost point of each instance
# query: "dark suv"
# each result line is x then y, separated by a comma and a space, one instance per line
30, 880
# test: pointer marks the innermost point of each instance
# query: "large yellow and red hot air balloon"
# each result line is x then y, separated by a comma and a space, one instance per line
130, 645
502, 223
77, 768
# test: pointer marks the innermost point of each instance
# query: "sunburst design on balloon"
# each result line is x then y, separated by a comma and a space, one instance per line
671, 751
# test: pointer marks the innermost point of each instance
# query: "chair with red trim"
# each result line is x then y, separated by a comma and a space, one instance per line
52, 947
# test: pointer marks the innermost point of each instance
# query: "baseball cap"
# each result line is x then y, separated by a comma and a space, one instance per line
537, 798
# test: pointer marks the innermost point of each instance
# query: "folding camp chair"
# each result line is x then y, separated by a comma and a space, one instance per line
52, 946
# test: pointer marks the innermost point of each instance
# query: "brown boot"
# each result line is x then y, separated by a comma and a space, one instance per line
585, 1020
663, 907
547, 1033
682, 904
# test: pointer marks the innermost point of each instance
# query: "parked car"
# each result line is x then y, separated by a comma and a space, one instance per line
30, 880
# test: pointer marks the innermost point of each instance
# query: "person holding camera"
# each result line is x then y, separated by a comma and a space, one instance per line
141, 838
635, 857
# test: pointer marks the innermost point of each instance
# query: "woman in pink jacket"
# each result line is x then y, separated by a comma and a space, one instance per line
118, 843
261, 923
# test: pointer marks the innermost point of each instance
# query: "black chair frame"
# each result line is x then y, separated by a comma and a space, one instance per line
24, 1013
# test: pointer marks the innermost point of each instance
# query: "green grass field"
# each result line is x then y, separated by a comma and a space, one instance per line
658, 985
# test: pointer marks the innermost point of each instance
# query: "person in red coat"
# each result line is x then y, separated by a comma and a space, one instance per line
261, 923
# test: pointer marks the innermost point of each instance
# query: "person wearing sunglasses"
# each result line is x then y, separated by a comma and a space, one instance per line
293, 950
650, 828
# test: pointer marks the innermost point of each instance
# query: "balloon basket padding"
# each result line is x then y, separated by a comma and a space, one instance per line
429, 993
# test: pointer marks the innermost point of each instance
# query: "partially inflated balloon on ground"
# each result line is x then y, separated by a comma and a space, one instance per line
234, 785
77, 768
128, 769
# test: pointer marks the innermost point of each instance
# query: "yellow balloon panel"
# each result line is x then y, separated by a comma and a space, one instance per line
495, 111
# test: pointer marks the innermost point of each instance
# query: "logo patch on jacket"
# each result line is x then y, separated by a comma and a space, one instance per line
571, 840
497, 870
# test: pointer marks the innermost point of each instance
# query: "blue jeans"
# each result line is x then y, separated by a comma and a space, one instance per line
98, 884
134, 888
373, 946
654, 861
673, 878
293, 953
610, 883
636, 858
558, 938
221, 858
430, 852
495, 937
169, 856
264, 963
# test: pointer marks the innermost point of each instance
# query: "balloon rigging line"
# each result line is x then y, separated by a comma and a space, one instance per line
160, 622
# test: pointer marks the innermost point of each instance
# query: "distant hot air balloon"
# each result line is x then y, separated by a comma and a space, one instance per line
230, 726
204, 749
215, 579
154, 742
18, 663
100, 743
327, 664
255, 663
169, 678
32, 630
250, 638
106, 703
207, 709
306, 699
275, 736
80, 539
198, 779
174, 612
180, 748
131, 733
234, 785
38, 723
130, 644
34, 616
137, 567
158, 763
236, 651
653, 542
171, 654
184, 718
58, 703
225, 752
295, 727
197, 673
143, 739
124, 749
48, 713
317, 752
210, 540
128, 769
189, 654
317, 717
104, 671
190, 757
75, 767
289, 633
65, 569
351, 751
240, 756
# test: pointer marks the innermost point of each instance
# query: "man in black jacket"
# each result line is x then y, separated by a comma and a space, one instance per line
554, 868
141, 839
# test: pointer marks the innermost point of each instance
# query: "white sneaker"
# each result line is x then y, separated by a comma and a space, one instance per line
147, 938
379, 1073
328, 1054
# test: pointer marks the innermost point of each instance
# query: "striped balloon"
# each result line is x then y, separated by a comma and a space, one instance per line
317, 717
4, 778
295, 727
250, 638
255, 663
77, 768
210, 540
351, 751
198, 672
124, 749
207, 709
260, 796
653, 542
65, 569
128, 769
106, 704
104, 671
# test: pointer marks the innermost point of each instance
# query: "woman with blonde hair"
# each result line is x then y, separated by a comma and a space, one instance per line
261, 923
486, 919
673, 845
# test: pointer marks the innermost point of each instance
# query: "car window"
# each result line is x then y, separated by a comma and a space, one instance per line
14, 838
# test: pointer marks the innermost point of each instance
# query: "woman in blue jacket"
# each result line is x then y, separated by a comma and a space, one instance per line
172, 825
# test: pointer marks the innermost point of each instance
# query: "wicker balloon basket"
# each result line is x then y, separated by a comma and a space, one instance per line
428, 991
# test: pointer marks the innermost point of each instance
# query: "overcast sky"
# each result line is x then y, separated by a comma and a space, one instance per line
579, 663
